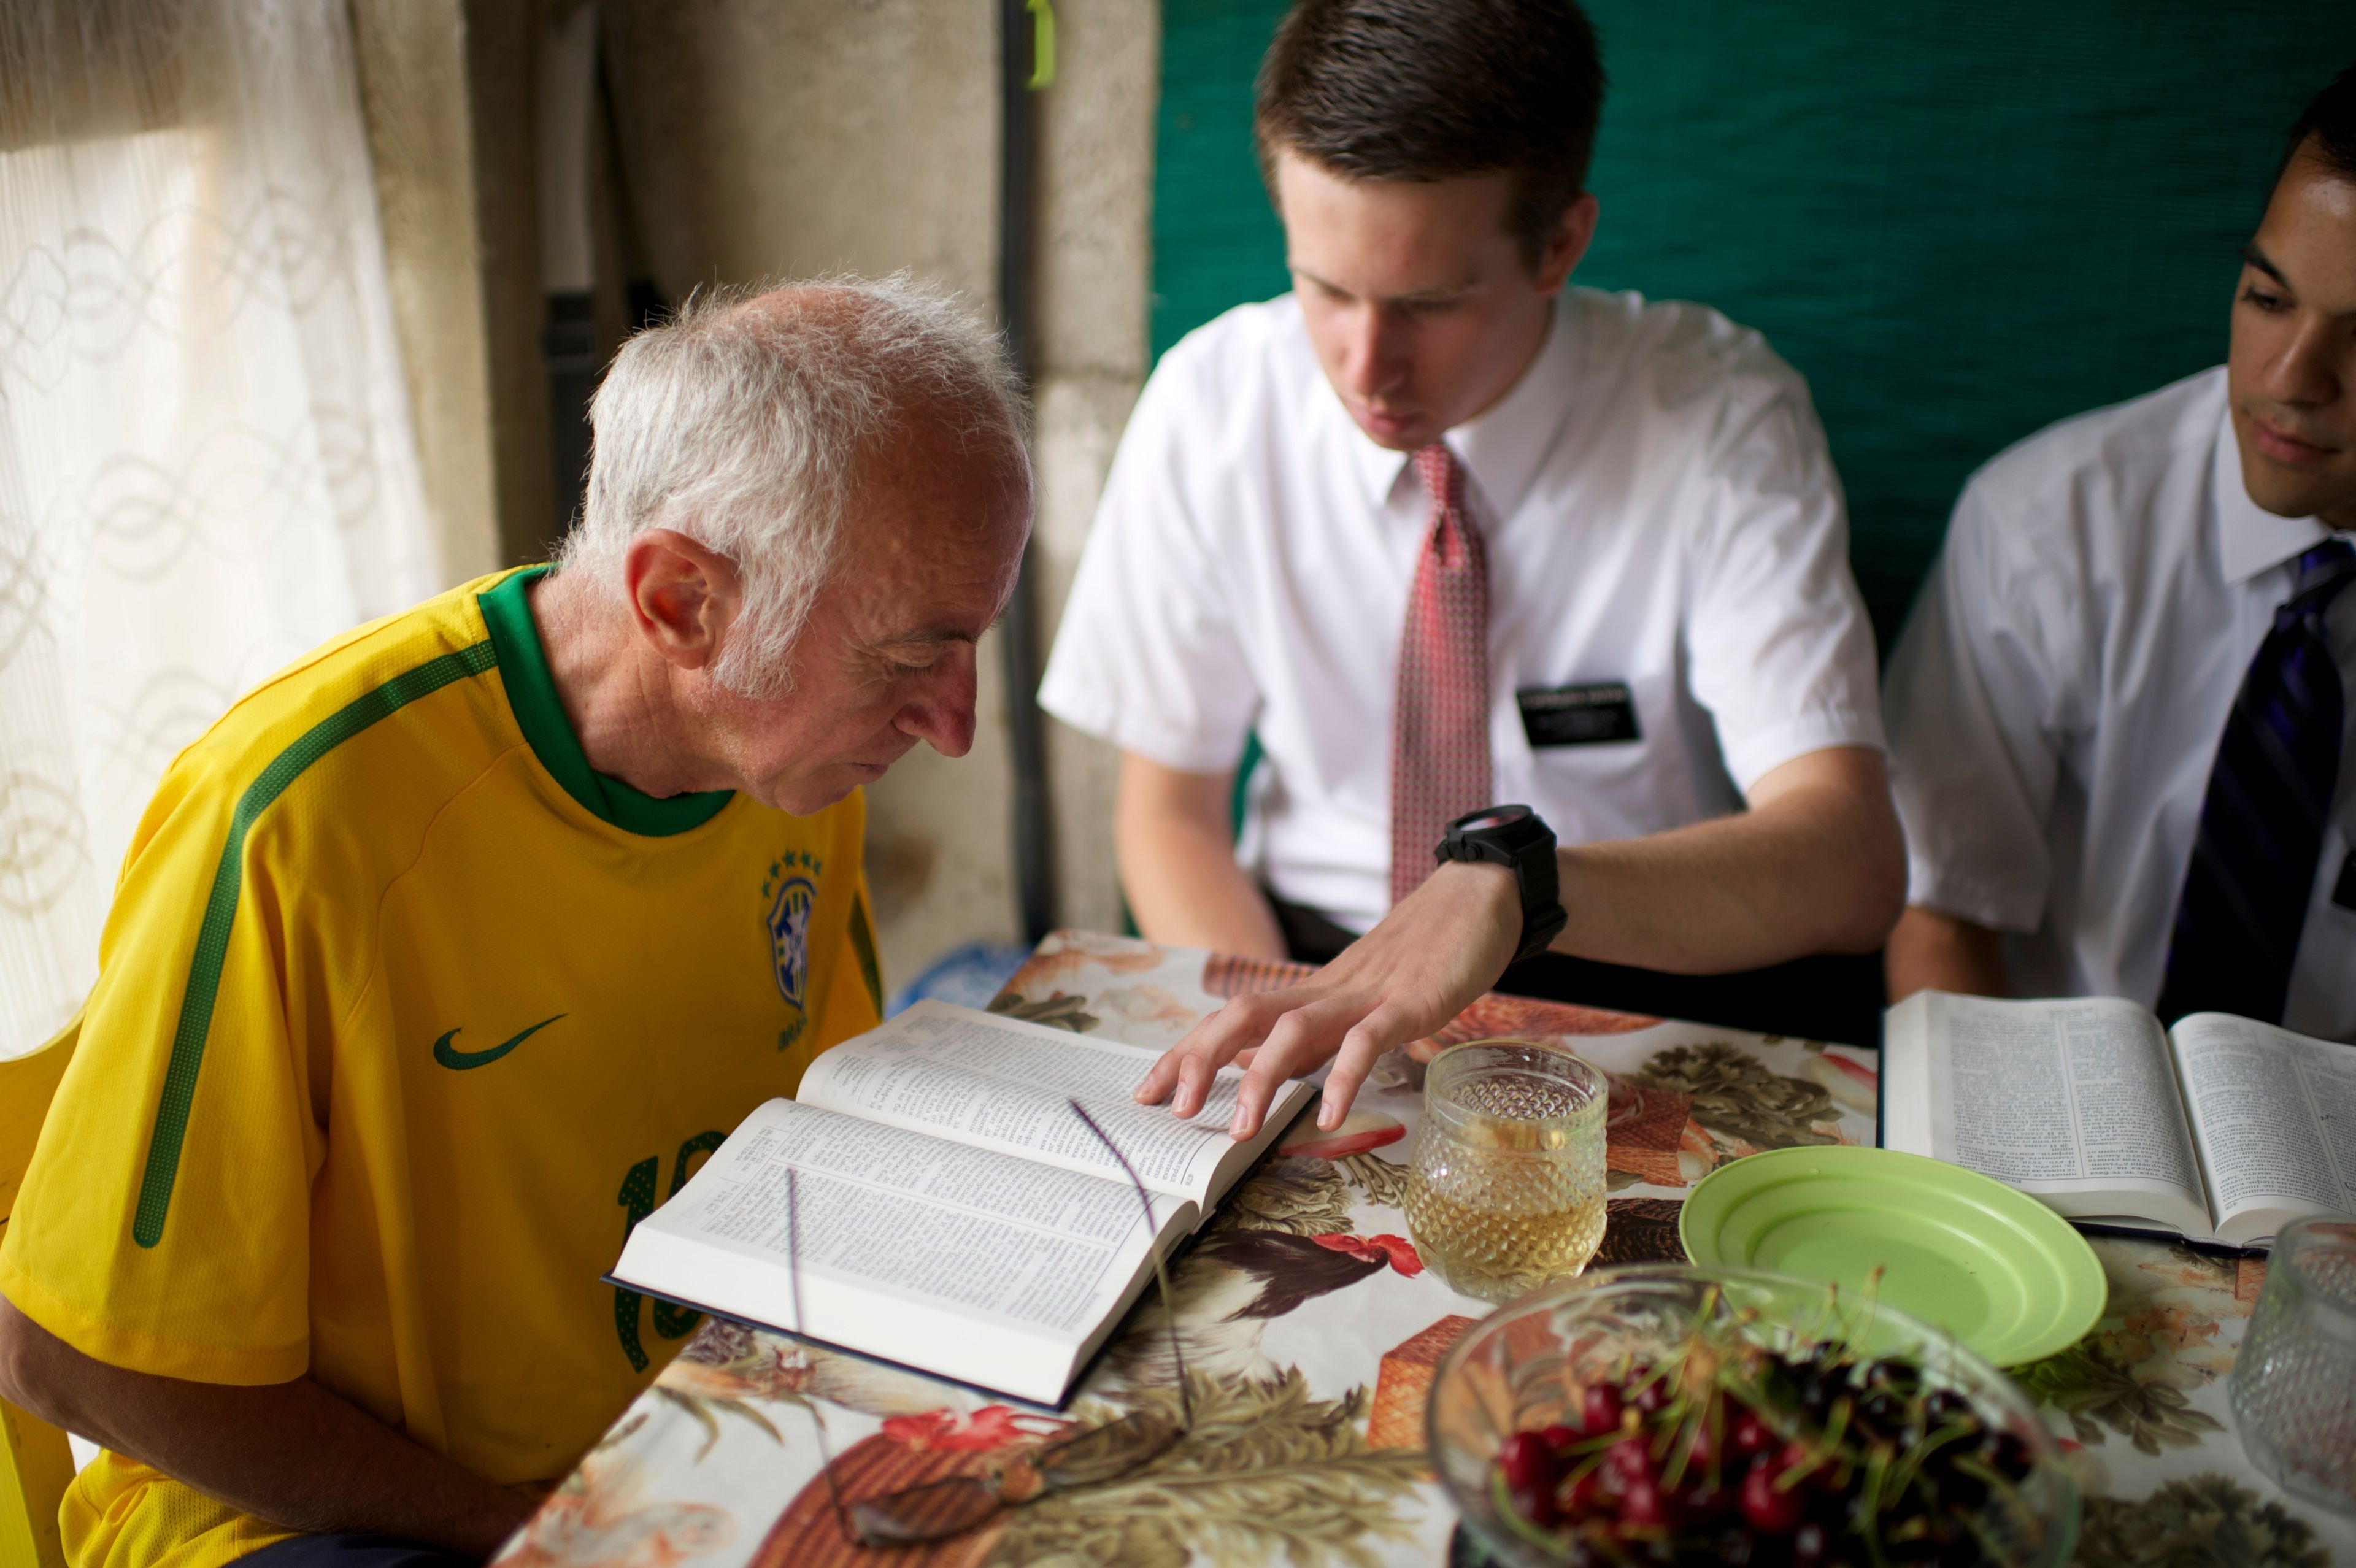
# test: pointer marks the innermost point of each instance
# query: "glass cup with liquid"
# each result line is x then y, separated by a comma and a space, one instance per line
1505, 1190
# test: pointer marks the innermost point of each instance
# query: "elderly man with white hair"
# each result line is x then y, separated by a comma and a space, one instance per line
442, 957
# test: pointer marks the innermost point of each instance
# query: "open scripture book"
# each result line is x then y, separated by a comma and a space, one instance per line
954, 1214
2221, 1129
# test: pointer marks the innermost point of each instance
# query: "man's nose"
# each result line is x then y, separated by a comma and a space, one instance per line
2305, 371
1377, 351
942, 716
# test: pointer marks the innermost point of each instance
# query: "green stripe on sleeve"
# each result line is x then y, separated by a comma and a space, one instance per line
220, 911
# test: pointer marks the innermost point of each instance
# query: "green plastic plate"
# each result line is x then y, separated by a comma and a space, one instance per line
1959, 1251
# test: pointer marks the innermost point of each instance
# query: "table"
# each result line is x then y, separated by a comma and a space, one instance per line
1314, 1329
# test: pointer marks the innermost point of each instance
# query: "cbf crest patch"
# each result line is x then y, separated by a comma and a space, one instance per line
792, 897
789, 920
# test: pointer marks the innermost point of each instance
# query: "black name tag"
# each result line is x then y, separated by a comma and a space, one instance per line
1579, 715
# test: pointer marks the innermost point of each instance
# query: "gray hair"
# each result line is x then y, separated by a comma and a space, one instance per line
748, 430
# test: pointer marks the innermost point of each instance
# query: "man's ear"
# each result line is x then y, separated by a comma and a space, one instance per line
683, 596
1568, 244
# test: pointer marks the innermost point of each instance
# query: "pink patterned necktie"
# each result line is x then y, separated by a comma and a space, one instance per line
1439, 718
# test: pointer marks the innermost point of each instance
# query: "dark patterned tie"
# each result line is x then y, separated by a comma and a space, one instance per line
2253, 870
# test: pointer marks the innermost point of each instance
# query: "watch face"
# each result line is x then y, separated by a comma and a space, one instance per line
1496, 816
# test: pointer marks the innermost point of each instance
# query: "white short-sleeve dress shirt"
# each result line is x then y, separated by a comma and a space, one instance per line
2057, 699
1659, 510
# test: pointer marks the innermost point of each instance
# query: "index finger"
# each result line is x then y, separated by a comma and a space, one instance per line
1300, 1039
1215, 1040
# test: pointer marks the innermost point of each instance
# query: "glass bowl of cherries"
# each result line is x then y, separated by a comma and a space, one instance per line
1675, 1416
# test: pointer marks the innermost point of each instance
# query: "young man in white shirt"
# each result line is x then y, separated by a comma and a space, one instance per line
1442, 533
2117, 714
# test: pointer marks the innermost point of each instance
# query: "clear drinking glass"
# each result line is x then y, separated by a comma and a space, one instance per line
2293, 1384
1506, 1192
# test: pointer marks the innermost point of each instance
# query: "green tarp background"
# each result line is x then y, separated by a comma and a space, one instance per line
1960, 221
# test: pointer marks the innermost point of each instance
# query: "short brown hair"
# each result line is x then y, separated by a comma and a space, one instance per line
1432, 89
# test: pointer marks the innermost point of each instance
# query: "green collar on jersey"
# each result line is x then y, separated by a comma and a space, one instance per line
532, 693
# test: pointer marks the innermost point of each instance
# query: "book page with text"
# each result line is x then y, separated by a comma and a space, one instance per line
895, 1230
1000, 1083
2276, 1115
2074, 1101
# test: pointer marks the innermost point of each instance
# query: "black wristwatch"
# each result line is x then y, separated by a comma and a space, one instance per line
1515, 836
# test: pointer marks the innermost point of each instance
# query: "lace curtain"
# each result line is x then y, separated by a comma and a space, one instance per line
206, 465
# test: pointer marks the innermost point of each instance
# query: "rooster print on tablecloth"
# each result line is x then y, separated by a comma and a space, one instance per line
1231, 1286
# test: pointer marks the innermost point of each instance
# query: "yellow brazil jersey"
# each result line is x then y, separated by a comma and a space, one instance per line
404, 1017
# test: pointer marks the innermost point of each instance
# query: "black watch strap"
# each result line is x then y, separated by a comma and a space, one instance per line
1517, 837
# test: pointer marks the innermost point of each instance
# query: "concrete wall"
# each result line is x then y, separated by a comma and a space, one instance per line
446, 87
783, 138
502, 59
411, 59
1096, 179
805, 136
802, 136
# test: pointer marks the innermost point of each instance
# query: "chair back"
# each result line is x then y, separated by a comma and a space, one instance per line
35, 1462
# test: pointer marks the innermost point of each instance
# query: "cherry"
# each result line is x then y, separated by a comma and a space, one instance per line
1598, 1410
1534, 1505
1558, 1437
1585, 1494
1765, 1509
1749, 1436
1630, 1459
1896, 1376
1791, 1455
1882, 1413
1528, 1463
1944, 1406
1809, 1544
1641, 1502
1819, 1389
1697, 1500
1652, 1399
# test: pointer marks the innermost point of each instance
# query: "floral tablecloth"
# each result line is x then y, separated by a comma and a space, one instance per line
1313, 1330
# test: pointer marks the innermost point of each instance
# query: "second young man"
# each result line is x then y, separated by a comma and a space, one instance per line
1442, 531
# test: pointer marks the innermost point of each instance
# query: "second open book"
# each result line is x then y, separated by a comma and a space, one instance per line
2221, 1129
954, 1214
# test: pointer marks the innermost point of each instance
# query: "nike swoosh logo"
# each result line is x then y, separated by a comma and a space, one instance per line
459, 1061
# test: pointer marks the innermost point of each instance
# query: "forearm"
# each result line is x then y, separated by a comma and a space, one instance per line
1816, 865
290, 1453
1819, 868
1178, 871
1713, 899
1934, 952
